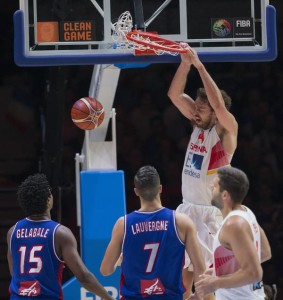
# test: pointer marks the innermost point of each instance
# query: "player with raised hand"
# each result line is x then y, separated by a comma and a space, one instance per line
212, 144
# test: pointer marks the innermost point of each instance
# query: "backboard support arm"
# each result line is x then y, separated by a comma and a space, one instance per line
138, 15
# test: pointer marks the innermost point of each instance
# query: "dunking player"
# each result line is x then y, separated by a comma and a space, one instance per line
212, 145
38, 248
240, 244
153, 241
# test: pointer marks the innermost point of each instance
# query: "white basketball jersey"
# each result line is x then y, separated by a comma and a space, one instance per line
225, 262
205, 154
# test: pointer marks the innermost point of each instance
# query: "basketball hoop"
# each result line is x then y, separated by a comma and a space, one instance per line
143, 43
152, 41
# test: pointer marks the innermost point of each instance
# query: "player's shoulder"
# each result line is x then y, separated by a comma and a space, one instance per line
235, 223
10, 231
183, 220
64, 234
63, 230
119, 225
120, 221
181, 215
13, 227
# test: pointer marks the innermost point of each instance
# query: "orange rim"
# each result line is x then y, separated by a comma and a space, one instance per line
154, 41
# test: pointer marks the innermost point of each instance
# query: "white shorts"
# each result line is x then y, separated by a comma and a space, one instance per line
207, 220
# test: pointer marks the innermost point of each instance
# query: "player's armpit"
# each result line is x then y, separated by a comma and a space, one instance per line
119, 261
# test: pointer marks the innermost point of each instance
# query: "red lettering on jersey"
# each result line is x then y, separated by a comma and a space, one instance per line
201, 137
197, 148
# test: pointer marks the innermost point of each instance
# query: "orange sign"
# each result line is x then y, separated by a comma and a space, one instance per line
47, 32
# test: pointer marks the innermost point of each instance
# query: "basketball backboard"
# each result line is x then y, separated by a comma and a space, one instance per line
79, 32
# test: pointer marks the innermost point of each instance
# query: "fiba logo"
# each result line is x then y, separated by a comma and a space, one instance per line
222, 28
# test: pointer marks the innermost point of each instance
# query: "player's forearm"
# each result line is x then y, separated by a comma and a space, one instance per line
179, 81
212, 90
197, 273
91, 284
239, 278
108, 264
107, 270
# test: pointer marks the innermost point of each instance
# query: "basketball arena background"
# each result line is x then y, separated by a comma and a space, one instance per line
149, 131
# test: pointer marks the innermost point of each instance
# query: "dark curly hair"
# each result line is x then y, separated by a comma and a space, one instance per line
33, 194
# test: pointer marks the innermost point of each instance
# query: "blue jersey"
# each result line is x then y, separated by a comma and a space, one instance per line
153, 257
37, 270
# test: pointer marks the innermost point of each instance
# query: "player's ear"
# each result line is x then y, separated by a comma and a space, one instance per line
225, 194
50, 201
160, 189
136, 191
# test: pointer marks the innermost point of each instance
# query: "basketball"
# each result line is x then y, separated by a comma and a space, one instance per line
87, 113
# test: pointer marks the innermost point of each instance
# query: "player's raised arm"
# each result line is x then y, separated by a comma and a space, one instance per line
176, 93
214, 95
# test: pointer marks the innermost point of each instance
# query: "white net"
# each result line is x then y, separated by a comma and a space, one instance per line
122, 27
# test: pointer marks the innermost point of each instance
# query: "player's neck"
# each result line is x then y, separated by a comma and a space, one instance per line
208, 126
150, 205
37, 217
226, 210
